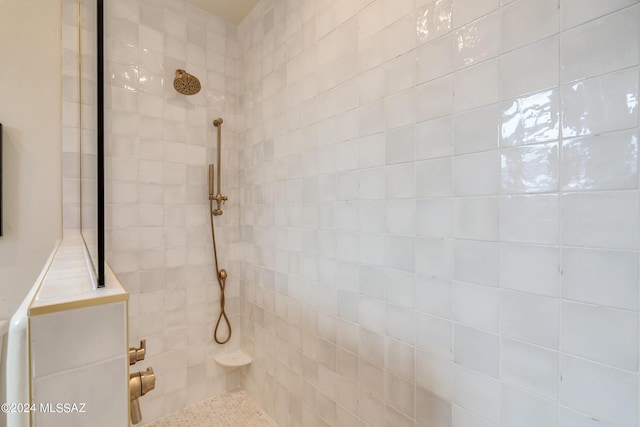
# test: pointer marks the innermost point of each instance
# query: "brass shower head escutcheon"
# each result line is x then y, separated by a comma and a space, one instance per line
217, 122
185, 83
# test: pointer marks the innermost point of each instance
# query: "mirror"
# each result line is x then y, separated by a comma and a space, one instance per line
91, 82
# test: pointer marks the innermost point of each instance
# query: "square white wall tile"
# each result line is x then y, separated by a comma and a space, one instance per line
531, 318
476, 306
600, 162
400, 73
615, 400
532, 368
400, 287
465, 11
434, 257
600, 46
570, 418
527, 21
434, 178
434, 335
434, 375
523, 409
580, 11
530, 169
531, 118
74, 338
600, 104
477, 41
434, 99
433, 296
531, 219
399, 253
371, 19
400, 359
529, 268
603, 220
435, 58
476, 174
477, 350
432, 410
434, 217
464, 418
476, 130
476, 86
601, 334
107, 407
400, 323
478, 393
434, 19
400, 181
600, 277
434, 138
477, 262
400, 216
400, 145
530, 68
477, 218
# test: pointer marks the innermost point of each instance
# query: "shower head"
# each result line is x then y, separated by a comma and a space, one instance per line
186, 83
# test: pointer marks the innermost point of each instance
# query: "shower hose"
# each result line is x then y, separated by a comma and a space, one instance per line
222, 280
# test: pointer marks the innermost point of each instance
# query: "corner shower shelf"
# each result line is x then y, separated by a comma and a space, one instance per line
234, 359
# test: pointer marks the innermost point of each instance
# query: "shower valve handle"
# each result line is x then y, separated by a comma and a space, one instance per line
219, 198
137, 354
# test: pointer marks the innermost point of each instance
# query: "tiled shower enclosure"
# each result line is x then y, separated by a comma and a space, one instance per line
433, 207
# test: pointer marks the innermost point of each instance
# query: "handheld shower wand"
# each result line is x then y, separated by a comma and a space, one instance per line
221, 273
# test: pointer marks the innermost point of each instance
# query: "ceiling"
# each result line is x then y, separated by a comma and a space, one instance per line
232, 10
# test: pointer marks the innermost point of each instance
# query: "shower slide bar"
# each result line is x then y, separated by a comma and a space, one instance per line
221, 273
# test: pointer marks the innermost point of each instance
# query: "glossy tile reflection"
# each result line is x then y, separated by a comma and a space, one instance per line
124, 76
600, 104
477, 41
530, 119
434, 19
532, 169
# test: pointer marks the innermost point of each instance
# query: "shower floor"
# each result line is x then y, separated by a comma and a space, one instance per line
231, 409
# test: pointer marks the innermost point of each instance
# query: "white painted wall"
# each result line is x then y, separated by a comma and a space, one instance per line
30, 103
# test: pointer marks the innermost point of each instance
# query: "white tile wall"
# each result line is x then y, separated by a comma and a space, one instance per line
78, 358
440, 211
158, 145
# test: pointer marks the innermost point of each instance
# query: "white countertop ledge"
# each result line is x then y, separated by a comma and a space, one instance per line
69, 281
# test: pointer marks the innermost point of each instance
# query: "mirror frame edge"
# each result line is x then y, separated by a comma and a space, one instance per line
100, 147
